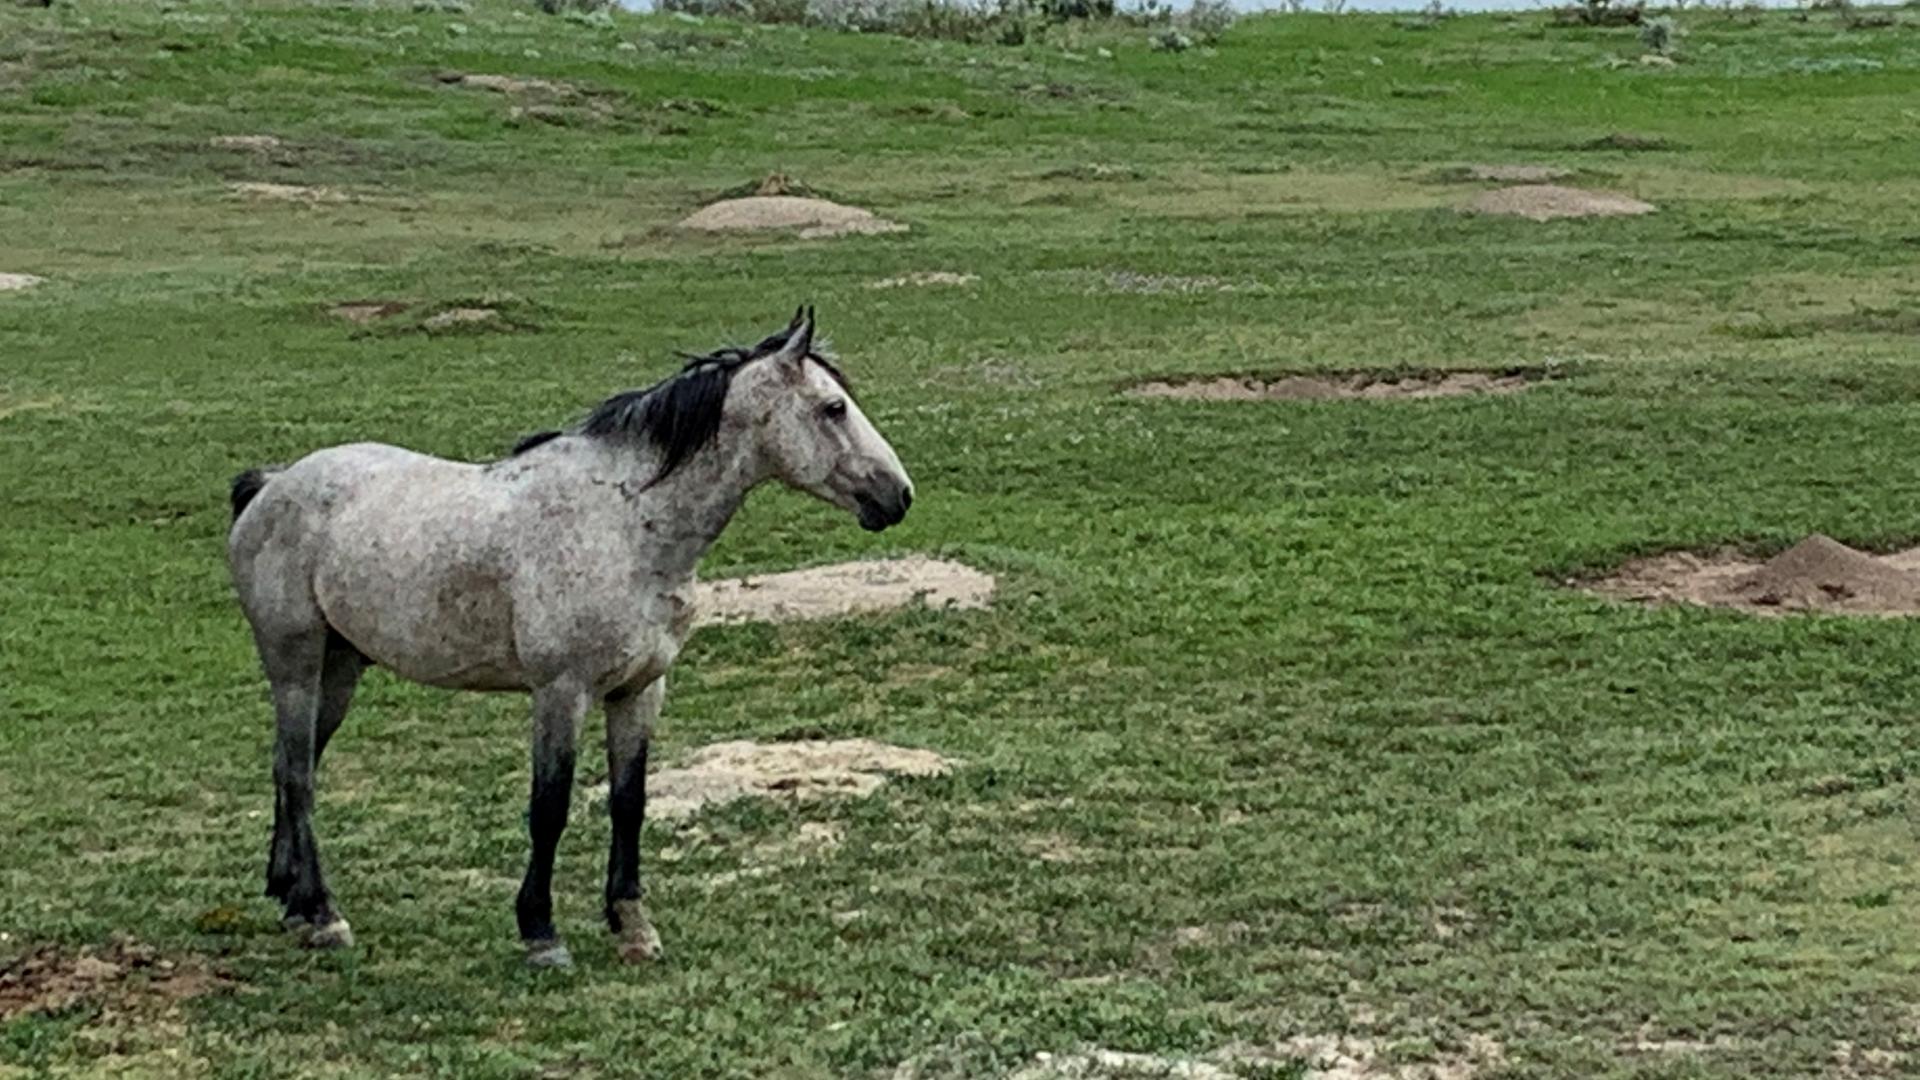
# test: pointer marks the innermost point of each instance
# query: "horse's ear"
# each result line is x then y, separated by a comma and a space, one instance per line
793, 353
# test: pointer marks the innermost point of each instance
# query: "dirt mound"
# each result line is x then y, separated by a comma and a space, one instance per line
1817, 574
1360, 385
366, 311
300, 193
16, 282
244, 142
120, 977
1516, 174
1546, 202
825, 592
721, 773
922, 278
505, 84
813, 218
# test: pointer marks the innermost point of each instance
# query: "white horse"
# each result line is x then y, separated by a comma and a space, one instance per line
565, 570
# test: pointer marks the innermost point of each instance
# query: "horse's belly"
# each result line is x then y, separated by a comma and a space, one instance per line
448, 626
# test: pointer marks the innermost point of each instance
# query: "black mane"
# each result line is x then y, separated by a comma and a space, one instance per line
680, 414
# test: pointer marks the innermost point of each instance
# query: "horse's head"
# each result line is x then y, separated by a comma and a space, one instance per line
814, 435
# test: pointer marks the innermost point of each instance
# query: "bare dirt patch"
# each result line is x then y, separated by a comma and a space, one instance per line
18, 282
805, 770
1548, 202
121, 978
1516, 174
460, 316
1817, 574
826, 592
296, 193
1366, 386
924, 278
367, 311
245, 142
1314, 1057
1116, 1065
811, 218
506, 84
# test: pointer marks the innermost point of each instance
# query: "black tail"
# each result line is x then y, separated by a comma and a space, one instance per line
245, 487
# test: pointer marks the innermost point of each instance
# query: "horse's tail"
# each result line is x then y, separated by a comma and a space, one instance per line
247, 486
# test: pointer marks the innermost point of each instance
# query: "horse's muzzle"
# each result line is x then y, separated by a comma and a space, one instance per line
883, 505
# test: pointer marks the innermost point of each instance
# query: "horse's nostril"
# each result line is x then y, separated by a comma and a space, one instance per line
906, 499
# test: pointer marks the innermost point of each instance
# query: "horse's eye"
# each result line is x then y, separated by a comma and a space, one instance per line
835, 409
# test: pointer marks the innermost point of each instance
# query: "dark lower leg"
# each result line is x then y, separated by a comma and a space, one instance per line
556, 714
627, 804
630, 719
303, 889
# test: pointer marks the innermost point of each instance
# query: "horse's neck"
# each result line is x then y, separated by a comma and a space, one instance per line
682, 515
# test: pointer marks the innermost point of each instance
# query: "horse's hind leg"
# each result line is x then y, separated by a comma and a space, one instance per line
295, 665
557, 709
630, 716
341, 667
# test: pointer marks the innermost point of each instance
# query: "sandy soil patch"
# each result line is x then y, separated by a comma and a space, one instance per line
1516, 174
1115, 1065
924, 278
1127, 281
812, 769
1322, 1057
816, 840
1355, 385
1547, 202
505, 84
17, 282
460, 316
244, 142
1817, 574
299, 193
366, 311
123, 977
826, 592
811, 218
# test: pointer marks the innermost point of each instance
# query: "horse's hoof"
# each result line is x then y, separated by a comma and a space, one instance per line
548, 954
640, 948
335, 935
639, 942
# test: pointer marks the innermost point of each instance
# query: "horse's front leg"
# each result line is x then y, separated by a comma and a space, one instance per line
630, 716
557, 708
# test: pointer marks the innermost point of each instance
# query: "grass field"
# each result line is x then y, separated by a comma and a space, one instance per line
1280, 727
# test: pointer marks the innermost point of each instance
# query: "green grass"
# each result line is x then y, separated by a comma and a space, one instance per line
1294, 673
